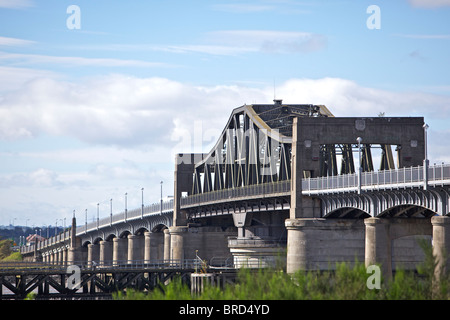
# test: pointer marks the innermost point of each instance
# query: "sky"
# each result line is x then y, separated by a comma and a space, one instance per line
97, 97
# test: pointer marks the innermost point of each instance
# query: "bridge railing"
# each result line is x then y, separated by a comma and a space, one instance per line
112, 264
129, 215
407, 176
257, 190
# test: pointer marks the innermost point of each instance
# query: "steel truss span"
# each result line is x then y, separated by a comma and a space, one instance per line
254, 148
256, 144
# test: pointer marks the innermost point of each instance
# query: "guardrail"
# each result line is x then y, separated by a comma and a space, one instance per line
153, 209
403, 177
93, 265
257, 190
197, 265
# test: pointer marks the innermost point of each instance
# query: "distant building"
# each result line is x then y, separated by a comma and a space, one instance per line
32, 238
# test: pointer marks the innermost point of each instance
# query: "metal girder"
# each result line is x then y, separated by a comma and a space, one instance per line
254, 148
401, 202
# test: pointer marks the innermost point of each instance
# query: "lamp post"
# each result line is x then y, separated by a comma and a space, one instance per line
110, 215
98, 213
142, 208
425, 161
126, 194
161, 197
359, 140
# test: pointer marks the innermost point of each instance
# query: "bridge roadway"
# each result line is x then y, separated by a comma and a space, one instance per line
143, 234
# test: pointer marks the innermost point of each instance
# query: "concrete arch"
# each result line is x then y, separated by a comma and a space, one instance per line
347, 212
389, 203
140, 231
407, 211
348, 205
110, 237
159, 228
97, 240
86, 243
124, 234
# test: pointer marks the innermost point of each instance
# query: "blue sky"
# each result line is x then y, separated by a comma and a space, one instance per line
90, 114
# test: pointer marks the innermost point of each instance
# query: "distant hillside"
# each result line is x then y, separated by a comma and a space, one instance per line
14, 233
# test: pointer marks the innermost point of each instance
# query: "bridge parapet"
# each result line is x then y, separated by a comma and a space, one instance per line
407, 177
256, 191
138, 213
63, 239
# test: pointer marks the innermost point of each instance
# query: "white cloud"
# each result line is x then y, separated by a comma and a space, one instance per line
129, 111
41, 178
15, 42
132, 127
234, 42
16, 4
270, 41
12, 78
208, 49
424, 36
429, 3
242, 7
33, 59
347, 98
116, 109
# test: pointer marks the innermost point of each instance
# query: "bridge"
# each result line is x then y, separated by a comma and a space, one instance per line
288, 184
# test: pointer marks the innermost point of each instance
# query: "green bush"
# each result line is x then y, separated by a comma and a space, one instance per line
15, 256
344, 283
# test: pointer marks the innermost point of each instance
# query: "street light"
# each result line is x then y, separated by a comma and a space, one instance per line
425, 161
126, 206
110, 215
98, 215
142, 210
161, 197
359, 140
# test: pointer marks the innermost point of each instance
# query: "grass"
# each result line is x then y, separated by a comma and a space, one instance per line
344, 283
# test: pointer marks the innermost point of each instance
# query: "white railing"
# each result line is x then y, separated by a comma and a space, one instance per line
123, 216
256, 190
153, 209
383, 179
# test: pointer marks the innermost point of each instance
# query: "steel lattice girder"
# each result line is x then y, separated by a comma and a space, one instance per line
254, 147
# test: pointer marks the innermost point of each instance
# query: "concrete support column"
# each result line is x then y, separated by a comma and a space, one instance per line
135, 248
93, 254
154, 246
380, 236
59, 256
441, 242
318, 244
177, 235
64, 256
76, 254
120, 247
147, 244
166, 244
106, 253
378, 244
